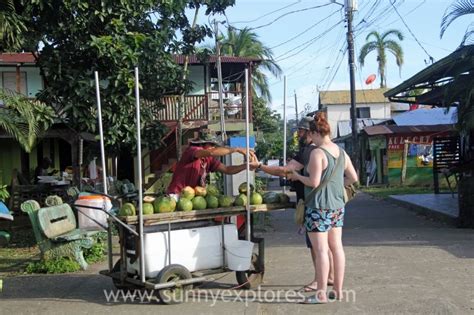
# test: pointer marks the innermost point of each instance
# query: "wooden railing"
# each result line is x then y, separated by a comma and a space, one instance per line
195, 108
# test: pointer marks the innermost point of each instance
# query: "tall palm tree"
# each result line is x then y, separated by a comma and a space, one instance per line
245, 43
381, 44
457, 9
11, 27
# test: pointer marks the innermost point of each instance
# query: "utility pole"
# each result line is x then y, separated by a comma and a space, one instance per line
284, 126
219, 82
296, 108
351, 6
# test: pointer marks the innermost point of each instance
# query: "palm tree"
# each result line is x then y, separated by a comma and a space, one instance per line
457, 9
11, 27
24, 119
381, 44
245, 43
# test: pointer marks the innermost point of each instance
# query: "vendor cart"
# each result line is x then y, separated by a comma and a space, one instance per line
202, 242
171, 252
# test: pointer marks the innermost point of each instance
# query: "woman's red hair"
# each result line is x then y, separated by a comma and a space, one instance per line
320, 124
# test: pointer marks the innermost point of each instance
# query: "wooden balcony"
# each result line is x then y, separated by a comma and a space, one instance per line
200, 107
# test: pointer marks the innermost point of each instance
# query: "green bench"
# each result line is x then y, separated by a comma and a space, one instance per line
56, 232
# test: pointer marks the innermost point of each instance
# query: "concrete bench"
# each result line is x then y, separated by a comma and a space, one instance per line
56, 232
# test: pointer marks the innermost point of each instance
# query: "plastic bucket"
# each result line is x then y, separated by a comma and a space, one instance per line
238, 255
92, 219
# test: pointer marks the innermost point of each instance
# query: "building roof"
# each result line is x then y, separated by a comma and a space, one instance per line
15, 58
435, 80
194, 59
392, 129
427, 117
343, 97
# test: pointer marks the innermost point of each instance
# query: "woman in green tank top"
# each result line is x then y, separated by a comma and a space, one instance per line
324, 216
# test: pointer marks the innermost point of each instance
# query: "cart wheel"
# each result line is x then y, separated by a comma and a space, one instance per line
170, 273
252, 278
117, 283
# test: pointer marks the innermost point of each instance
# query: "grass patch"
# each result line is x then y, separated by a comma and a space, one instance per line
384, 192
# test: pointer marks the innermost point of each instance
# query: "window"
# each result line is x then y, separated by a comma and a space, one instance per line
9, 82
363, 112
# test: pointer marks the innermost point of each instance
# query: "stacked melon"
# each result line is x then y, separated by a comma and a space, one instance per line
200, 198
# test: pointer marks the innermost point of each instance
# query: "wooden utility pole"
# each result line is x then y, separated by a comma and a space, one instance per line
219, 83
350, 7
404, 163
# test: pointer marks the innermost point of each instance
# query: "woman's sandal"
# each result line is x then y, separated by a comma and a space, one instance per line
309, 288
313, 300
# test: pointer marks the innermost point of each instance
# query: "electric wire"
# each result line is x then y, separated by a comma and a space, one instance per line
267, 14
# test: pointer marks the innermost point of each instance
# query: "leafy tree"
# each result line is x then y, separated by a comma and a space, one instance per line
79, 37
245, 43
457, 9
11, 26
381, 44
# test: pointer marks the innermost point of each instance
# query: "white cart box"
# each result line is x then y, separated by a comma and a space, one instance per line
194, 248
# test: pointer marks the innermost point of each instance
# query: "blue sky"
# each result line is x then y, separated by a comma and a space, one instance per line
314, 60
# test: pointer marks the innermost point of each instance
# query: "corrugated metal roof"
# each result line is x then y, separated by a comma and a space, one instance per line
427, 117
435, 78
344, 127
343, 97
193, 59
14, 58
392, 129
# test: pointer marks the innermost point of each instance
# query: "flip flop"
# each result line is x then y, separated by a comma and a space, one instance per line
308, 288
312, 300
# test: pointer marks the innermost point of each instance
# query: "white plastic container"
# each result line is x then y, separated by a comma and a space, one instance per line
194, 248
238, 255
92, 219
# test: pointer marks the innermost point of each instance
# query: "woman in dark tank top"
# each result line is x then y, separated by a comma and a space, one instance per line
324, 215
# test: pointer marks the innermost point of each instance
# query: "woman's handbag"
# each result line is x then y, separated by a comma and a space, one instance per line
349, 193
300, 212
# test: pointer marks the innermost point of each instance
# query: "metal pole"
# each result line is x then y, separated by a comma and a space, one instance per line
140, 184
219, 81
284, 126
350, 47
247, 135
102, 155
296, 108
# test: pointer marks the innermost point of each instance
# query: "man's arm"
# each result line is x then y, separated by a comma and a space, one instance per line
231, 170
281, 171
221, 151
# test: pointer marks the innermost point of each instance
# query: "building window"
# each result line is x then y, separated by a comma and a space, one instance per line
363, 112
9, 82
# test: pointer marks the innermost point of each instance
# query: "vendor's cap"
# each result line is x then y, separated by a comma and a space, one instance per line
205, 138
304, 123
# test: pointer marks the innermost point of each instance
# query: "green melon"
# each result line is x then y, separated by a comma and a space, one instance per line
212, 201
256, 199
199, 203
148, 208
240, 200
128, 209
185, 204
164, 204
225, 201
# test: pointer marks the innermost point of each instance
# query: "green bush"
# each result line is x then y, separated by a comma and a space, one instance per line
59, 265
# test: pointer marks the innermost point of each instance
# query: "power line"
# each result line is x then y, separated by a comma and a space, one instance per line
412, 34
267, 14
307, 43
306, 30
288, 13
